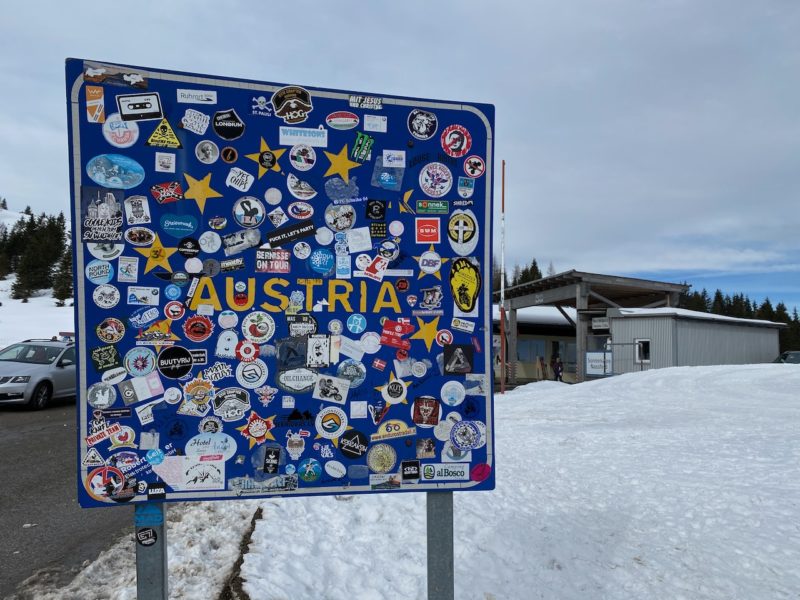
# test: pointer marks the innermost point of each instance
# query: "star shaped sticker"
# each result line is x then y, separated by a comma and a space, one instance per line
340, 164
426, 332
157, 255
160, 331
257, 429
266, 158
200, 190
395, 390
435, 273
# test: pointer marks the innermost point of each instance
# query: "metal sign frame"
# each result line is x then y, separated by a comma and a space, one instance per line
148, 442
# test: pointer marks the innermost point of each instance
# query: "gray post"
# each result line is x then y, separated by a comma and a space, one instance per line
441, 582
152, 578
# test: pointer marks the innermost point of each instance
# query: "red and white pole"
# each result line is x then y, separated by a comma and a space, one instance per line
503, 282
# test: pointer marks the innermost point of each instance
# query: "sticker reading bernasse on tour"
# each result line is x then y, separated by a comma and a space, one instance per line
281, 288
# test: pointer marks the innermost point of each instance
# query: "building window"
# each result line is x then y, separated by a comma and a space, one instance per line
642, 351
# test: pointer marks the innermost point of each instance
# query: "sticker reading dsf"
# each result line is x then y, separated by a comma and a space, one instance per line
299, 299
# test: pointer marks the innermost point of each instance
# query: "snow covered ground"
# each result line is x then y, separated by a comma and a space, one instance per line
38, 318
678, 483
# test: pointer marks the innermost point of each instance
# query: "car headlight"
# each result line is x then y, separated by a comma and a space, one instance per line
21, 379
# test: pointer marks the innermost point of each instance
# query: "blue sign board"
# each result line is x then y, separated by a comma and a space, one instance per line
281, 290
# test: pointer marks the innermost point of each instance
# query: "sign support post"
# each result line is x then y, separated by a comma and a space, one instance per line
152, 577
441, 580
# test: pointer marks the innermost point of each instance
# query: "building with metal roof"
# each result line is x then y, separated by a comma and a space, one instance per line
612, 325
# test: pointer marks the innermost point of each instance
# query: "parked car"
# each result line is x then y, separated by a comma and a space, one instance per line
790, 356
33, 372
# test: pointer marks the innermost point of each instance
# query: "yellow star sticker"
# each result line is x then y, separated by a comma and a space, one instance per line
340, 164
262, 429
160, 330
269, 156
427, 332
392, 379
435, 273
200, 190
157, 255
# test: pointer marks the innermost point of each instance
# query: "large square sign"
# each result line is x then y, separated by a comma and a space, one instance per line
281, 290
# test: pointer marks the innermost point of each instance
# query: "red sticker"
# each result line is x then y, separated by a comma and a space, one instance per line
429, 230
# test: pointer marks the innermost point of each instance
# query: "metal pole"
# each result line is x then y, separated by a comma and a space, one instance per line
441, 581
503, 283
152, 577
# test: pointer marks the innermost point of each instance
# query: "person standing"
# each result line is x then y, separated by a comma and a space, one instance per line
558, 369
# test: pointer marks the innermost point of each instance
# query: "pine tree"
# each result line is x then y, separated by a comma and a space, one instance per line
551, 270
765, 311
62, 281
535, 273
515, 277
718, 303
3, 204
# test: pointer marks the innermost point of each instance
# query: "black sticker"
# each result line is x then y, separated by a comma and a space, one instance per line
292, 352
458, 358
377, 229
353, 444
302, 324
376, 210
228, 125
174, 362
272, 460
105, 358
289, 234
146, 536
188, 247
156, 491
409, 470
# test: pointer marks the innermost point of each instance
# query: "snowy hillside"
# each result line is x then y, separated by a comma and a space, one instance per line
39, 318
9, 217
667, 484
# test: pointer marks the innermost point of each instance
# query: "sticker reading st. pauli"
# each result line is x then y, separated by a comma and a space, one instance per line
282, 289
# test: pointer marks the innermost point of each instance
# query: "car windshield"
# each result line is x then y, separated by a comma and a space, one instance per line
30, 353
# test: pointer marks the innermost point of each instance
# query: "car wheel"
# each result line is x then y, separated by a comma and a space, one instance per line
40, 397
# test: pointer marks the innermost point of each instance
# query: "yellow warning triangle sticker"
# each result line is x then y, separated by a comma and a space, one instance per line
164, 136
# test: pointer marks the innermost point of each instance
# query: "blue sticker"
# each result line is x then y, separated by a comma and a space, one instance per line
155, 456
179, 226
99, 272
115, 171
142, 317
172, 291
148, 515
322, 261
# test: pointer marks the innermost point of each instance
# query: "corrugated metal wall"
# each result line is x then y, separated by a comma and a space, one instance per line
690, 342
705, 343
659, 330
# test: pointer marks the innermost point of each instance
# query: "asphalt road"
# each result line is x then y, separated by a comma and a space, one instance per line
42, 528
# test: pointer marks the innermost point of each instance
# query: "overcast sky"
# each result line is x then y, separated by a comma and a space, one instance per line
653, 139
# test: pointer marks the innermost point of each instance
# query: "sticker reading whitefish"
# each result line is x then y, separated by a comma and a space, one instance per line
281, 289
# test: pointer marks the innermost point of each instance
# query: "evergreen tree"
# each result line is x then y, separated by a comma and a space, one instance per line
534, 271
718, 303
3, 204
62, 281
515, 277
551, 270
765, 311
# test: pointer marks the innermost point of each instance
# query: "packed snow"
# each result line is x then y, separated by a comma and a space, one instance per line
38, 318
679, 483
